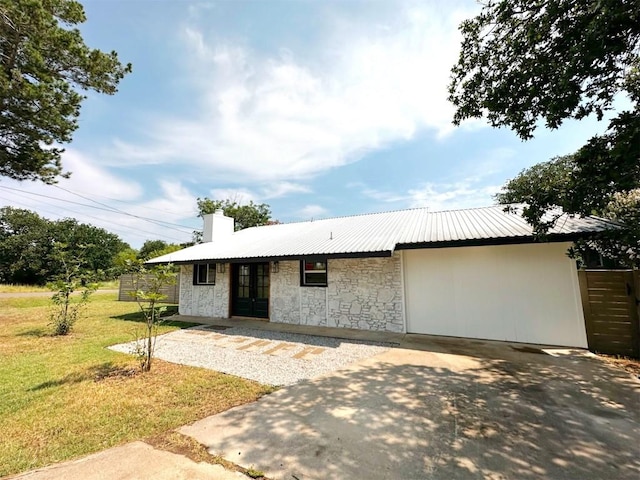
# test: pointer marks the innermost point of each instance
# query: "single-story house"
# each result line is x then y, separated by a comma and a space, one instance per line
475, 273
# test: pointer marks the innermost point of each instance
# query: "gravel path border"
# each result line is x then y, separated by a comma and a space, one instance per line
268, 357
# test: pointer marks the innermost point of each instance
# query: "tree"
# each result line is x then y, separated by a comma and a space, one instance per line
97, 246
561, 182
44, 65
24, 247
249, 215
156, 248
524, 62
540, 188
150, 246
27, 247
148, 283
66, 311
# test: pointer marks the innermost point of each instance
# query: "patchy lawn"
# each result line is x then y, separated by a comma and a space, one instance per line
63, 397
18, 288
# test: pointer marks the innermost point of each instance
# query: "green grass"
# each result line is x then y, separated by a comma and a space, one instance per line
63, 397
16, 288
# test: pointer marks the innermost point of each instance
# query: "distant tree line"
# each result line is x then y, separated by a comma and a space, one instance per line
30, 248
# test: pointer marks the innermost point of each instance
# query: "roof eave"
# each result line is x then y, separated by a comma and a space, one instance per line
278, 258
478, 242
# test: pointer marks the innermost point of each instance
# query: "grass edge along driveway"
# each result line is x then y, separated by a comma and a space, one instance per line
64, 397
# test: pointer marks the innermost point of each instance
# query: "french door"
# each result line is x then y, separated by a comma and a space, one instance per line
250, 295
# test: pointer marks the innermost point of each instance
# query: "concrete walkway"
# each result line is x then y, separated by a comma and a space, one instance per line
434, 408
133, 461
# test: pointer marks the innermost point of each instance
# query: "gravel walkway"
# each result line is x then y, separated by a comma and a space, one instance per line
268, 357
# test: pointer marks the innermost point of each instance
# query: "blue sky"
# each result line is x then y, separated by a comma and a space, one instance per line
317, 108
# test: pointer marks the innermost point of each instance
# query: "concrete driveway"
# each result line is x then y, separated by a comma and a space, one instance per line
443, 409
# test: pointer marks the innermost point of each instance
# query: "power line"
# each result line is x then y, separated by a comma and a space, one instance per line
108, 209
157, 222
126, 202
136, 231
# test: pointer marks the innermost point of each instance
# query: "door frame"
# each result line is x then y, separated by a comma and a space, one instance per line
234, 267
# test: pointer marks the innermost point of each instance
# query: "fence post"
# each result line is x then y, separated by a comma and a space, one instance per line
584, 295
636, 329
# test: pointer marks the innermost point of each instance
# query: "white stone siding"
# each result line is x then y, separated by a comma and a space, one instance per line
363, 293
366, 293
204, 300
313, 306
285, 294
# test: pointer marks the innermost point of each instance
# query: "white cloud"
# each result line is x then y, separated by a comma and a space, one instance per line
466, 193
241, 196
88, 177
265, 192
452, 196
92, 194
278, 119
312, 211
281, 189
437, 195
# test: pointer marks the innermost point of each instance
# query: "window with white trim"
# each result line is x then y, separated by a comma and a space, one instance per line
313, 272
204, 274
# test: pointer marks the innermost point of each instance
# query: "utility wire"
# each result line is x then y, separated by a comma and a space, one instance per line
136, 231
126, 202
108, 209
152, 220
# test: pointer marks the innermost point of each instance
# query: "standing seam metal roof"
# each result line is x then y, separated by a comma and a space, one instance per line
379, 233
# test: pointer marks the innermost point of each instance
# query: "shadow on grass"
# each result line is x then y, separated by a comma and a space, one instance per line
171, 310
95, 373
36, 332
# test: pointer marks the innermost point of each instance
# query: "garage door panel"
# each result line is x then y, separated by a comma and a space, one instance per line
523, 293
436, 291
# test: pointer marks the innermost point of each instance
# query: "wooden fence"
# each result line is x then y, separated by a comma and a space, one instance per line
126, 288
611, 313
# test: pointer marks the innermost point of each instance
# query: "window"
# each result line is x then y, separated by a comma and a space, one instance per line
313, 272
204, 274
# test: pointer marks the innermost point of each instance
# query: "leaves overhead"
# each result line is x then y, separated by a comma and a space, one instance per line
44, 67
563, 182
523, 61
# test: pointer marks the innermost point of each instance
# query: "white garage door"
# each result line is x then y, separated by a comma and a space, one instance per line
521, 293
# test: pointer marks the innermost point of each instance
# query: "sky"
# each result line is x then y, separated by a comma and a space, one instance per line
316, 108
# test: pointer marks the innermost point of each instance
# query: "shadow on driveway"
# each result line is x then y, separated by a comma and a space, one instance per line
442, 412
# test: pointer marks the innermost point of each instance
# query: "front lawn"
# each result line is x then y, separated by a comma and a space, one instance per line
63, 397
16, 288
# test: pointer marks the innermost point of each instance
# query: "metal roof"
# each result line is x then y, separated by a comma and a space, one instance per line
381, 234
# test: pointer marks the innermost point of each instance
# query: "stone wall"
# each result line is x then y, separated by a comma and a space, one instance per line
285, 294
313, 306
204, 300
363, 293
366, 293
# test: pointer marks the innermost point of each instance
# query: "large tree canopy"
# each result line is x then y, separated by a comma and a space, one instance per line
44, 65
561, 182
524, 63
28, 243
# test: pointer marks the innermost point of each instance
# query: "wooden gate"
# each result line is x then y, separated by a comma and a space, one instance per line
610, 304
